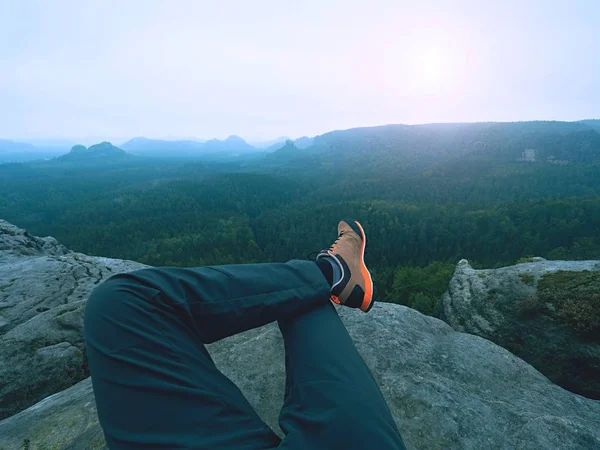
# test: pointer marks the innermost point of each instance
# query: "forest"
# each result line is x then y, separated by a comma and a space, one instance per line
427, 196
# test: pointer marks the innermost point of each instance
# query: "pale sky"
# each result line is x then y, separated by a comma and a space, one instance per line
114, 69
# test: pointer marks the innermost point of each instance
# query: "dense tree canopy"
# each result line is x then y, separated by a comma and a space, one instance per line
427, 198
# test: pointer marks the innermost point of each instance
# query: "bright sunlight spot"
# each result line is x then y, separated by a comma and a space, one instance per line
432, 65
432, 69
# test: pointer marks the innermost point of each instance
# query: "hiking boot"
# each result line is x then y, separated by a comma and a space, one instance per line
354, 287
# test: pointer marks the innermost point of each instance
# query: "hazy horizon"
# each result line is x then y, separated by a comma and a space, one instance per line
59, 142
108, 70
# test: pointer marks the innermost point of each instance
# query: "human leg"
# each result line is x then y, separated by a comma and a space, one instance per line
154, 382
332, 400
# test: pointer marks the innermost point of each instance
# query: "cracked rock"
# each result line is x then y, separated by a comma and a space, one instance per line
43, 288
445, 389
491, 303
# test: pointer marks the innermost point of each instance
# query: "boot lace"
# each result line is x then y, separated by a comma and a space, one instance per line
336, 241
313, 255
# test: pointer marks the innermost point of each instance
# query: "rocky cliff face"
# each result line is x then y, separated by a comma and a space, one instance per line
43, 288
503, 305
446, 389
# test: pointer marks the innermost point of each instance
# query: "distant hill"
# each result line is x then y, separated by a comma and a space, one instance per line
51, 143
592, 123
277, 143
11, 151
212, 149
301, 143
157, 147
7, 146
102, 152
233, 144
395, 147
287, 151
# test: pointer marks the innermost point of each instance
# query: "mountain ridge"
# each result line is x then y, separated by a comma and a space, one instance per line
231, 146
97, 153
470, 136
418, 146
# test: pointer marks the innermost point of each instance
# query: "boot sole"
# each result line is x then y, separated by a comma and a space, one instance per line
367, 302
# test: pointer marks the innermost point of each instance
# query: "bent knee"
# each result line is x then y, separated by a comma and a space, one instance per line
115, 297
119, 313
122, 286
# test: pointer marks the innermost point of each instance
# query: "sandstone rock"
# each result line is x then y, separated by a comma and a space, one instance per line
66, 420
446, 390
491, 303
3, 324
63, 350
43, 287
15, 241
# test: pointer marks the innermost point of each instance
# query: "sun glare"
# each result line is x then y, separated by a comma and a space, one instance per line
432, 63
432, 66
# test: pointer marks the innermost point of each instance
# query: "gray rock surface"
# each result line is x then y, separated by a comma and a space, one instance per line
66, 420
493, 304
43, 287
446, 390
17, 242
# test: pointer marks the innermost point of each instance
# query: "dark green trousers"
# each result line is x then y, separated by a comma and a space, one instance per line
156, 386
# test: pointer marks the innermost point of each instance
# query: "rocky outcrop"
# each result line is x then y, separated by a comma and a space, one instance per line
66, 420
43, 288
101, 151
502, 305
17, 242
446, 389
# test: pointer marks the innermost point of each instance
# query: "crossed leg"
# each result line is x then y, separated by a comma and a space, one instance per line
156, 386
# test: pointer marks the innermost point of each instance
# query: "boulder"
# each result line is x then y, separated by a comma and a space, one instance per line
446, 389
43, 288
503, 305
